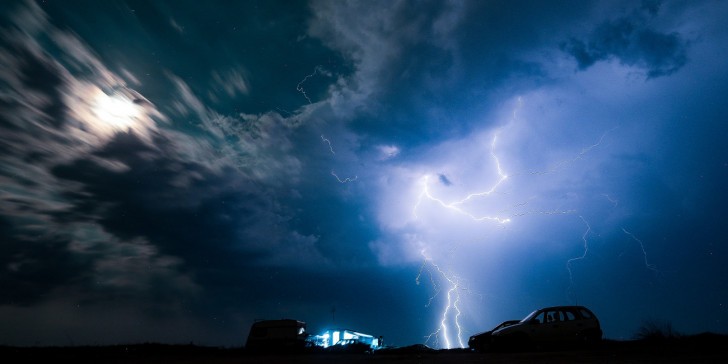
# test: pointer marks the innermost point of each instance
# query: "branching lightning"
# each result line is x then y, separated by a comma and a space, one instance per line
610, 199
543, 212
345, 180
577, 157
451, 311
451, 304
571, 289
649, 266
299, 87
328, 142
435, 286
284, 111
456, 205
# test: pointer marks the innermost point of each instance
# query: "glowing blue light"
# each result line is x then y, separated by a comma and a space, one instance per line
344, 337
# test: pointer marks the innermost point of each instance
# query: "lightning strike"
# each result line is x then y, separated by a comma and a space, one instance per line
649, 266
579, 156
435, 286
282, 110
299, 87
610, 199
451, 311
452, 302
571, 289
455, 205
327, 142
544, 212
345, 180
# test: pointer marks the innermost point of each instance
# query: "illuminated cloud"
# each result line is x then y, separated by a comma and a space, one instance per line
387, 151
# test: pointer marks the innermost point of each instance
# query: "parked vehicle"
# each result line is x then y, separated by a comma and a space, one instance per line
550, 327
481, 342
277, 336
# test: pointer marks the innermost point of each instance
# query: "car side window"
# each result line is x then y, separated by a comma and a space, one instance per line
569, 316
553, 316
540, 318
585, 314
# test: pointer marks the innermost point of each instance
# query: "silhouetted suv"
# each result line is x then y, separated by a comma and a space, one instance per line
550, 326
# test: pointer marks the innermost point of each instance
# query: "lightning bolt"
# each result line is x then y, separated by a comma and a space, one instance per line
282, 110
299, 87
577, 157
435, 285
452, 302
649, 266
610, 199
328, 142
456, 205
345, 180
451, 312
571, 290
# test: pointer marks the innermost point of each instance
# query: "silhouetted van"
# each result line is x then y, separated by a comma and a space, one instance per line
277, 336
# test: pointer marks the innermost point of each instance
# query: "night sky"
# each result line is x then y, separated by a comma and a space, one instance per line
171, 171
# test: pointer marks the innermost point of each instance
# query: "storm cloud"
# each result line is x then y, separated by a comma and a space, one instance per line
634, 41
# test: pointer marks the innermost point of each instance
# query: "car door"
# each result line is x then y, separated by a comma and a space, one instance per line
548, 328
571, 325
554, 329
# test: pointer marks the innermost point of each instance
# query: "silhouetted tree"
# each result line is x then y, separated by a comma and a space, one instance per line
655, 330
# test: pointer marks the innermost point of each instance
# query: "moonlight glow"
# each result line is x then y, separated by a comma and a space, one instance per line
117, 111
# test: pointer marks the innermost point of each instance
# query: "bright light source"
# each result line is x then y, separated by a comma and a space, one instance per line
102, 113
117, 110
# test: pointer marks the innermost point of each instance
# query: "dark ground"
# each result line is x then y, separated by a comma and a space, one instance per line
704, 348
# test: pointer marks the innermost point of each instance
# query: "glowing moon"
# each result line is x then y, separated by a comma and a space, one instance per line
102, 114
117, 111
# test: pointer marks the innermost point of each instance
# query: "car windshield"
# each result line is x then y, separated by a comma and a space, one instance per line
530, 316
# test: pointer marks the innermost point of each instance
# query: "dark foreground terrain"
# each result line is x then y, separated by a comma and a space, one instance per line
704, 348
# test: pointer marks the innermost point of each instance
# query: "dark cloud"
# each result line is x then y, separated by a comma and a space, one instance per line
184, 208
28, 74
444, 180
634, 42
427, 76
31, 271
